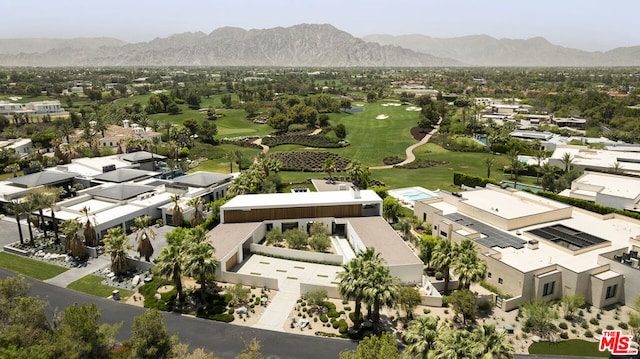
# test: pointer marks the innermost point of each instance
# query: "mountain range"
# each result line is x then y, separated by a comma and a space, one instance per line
304, 45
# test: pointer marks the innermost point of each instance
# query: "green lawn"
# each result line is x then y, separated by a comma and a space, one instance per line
573, 347
441, 176
91, 284
372, 140
30, 267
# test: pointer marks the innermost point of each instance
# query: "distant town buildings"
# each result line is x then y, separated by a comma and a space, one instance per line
32, 109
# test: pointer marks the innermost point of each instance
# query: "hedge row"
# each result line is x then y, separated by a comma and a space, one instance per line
589, 206
460, 179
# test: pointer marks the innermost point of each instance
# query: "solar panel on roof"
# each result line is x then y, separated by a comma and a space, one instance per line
493, 237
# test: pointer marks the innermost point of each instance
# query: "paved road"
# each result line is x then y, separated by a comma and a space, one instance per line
224, 340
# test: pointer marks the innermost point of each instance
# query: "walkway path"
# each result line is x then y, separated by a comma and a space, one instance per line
409, 151
92, 265
258, 142
278, 310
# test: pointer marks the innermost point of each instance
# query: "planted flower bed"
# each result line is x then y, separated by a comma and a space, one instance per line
319, 141
308, 161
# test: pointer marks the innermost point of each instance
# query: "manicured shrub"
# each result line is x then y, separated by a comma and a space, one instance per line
324, 318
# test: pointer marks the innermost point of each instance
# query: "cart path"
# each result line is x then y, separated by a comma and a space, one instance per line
409, 151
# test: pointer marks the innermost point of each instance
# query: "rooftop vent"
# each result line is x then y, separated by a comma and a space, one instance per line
532, 244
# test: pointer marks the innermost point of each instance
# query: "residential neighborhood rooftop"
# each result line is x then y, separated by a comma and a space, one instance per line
302, 199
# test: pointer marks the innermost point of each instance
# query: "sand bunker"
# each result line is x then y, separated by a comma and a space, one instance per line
391, 104
382, 117
414, 108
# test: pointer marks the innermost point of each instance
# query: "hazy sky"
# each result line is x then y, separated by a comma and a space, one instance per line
584, 24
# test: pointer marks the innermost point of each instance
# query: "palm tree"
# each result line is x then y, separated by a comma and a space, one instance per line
239, 155
516, 167
567, 160
144, 235
442, 259
548, 176
72, 239
38, 200
358, 174
199, 259
52, 196
169, 265
177, 217
88, 227
13, 168
198, 215
329, 166
491, 344
451, 343
469, 269
513, 157
420, 337
351, 286
231, 157
540, 156
354, 280
382, 290
489, 161
17, 209
116, 244
615, 168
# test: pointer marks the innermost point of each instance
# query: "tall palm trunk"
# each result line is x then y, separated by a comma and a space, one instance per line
177, 279
446, 280
33, 243
203, 286
19, 228
43, 225
376, 316
55, 226
357, 313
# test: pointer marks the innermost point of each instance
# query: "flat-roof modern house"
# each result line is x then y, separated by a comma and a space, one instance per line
584, 158
577, 123
607, 189
117, 197
353, 215
538, 248
21, 146
114, 135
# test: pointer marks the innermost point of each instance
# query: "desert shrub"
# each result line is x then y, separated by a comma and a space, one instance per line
594, 321
227, 318
392, 160
352, 316
564, 335
588, 334
584, 325
563, 325
623, 325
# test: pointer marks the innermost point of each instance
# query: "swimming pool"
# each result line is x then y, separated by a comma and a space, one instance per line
417, 195
409, 195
